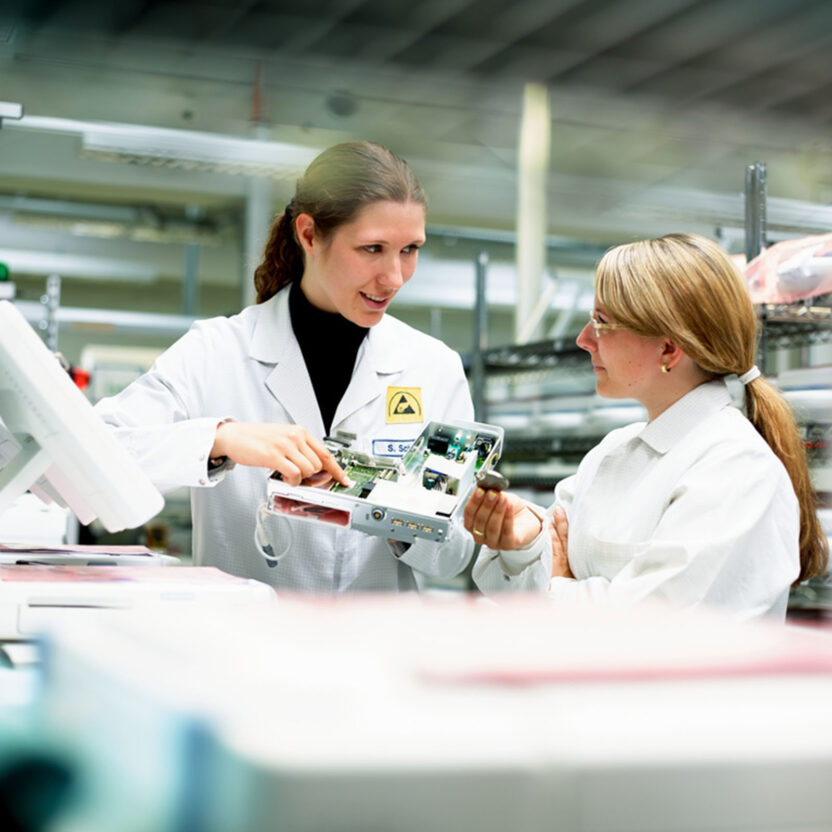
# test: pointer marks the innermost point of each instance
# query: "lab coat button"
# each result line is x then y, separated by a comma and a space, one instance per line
203, 482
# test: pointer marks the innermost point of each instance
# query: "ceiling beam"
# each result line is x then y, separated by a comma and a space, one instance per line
752, 45
416, 25
613, 25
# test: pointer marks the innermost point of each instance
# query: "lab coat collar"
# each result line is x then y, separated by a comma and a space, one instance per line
385, 346
273, 335
273, 342
681, 417
380, 354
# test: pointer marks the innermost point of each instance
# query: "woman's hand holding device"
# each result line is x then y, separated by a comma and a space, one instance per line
499, 519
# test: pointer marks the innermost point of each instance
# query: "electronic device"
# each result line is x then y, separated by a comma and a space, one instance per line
52, 442
414, 497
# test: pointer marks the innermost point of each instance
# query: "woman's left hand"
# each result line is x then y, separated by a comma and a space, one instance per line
559, 531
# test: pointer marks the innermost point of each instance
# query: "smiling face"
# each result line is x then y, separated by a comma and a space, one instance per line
358, 270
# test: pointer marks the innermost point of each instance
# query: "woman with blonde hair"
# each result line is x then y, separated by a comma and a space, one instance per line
702, 504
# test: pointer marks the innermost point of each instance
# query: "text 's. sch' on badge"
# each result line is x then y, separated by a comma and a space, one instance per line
404, 404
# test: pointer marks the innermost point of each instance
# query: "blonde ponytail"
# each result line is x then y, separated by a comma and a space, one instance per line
771, 414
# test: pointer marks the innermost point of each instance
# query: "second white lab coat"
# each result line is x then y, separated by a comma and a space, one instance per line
692, 508
249, 367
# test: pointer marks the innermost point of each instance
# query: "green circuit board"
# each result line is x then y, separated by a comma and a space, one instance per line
451, 443
363, 469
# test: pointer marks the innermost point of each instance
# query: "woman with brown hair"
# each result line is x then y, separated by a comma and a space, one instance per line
317, 354
701, 504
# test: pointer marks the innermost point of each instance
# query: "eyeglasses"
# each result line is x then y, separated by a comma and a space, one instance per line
600, 327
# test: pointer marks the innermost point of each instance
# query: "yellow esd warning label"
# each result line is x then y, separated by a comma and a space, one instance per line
404, 404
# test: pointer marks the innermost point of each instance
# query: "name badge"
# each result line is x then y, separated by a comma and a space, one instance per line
404, 404
391, 447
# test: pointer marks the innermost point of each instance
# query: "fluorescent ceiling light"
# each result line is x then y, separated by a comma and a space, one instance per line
187, 149
107, 320
75, 265
170, 232
8, 109
143, 224
19, 204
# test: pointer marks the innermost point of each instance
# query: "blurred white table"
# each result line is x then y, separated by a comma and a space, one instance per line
393, 713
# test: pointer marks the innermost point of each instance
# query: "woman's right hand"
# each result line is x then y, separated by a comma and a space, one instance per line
500, 520
289, 449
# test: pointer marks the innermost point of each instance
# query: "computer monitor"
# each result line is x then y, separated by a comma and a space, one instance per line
55, 445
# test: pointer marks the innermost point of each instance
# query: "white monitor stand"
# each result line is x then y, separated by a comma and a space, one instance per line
55, 445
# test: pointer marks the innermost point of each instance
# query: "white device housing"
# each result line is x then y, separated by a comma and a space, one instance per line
402, 507
54, 443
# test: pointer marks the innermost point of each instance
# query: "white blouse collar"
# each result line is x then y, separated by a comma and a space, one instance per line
684, 415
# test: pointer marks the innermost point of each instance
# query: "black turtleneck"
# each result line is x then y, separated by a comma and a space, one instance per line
329, 343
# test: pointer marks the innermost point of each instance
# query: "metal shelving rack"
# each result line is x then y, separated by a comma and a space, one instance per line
781, 326
802, 324
540, 355
518, 364
784, 325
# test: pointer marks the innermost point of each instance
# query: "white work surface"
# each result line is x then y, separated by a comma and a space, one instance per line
38, 597
399, 713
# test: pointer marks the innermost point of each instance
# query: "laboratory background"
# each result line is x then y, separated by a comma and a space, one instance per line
145, 147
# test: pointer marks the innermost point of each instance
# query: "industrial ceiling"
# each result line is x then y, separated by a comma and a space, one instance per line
657, 106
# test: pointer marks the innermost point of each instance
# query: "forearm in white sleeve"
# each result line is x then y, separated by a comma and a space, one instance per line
524, 570
152, 422
174, 455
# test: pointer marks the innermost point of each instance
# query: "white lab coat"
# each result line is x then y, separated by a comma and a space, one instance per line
692, 508
250, 367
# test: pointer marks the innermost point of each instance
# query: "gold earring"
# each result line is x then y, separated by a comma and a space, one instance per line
665, 368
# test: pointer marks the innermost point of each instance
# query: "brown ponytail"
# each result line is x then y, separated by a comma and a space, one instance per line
337, 184
686, 287
282, 259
